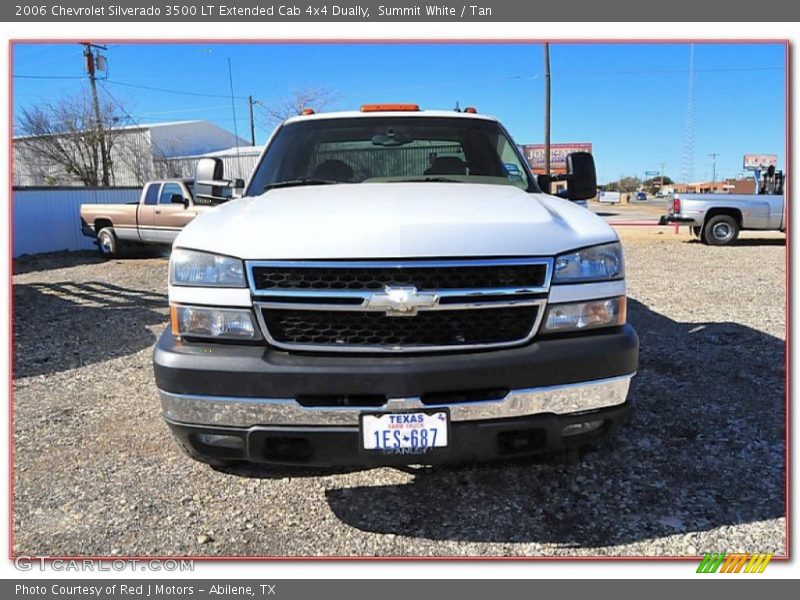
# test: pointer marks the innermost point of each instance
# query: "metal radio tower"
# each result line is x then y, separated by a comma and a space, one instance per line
687, 161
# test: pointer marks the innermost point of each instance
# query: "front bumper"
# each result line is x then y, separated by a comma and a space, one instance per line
469, 441
678, 219
87, 230
231, 411
253, 393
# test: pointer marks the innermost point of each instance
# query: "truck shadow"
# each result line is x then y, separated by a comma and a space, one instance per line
48, 261
66, 325
746, 242
752, 242
31, 263
704, 450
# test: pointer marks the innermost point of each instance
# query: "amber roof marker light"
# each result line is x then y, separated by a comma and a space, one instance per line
389, 107
307, 111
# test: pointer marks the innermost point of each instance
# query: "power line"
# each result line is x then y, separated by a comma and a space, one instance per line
170, 91
132, 120
48, 77
434, 85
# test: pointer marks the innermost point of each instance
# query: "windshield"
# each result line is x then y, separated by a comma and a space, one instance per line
390, 149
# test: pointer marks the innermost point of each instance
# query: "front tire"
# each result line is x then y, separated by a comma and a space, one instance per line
107, 242
720, 230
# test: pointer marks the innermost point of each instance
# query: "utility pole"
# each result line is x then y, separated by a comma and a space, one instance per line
91, 69
251, 103
661, 186
547, 109
713, 156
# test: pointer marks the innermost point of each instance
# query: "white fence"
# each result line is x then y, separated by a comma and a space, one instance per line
48, 219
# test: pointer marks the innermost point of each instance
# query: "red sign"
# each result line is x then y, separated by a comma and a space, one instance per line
534, 154
760, 161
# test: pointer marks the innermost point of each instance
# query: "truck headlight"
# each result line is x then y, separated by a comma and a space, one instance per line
214, 323
193, 268
578, 316
598, 263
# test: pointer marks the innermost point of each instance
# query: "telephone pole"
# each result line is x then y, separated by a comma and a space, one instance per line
547, 109
91, 69
713, 156
661, 186
251, 103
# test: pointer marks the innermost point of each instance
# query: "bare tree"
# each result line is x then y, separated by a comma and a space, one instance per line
64, 139
317, 98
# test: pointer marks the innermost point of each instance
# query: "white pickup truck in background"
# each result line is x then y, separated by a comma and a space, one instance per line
717, 219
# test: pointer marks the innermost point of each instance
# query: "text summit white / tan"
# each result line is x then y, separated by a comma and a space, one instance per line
395, 287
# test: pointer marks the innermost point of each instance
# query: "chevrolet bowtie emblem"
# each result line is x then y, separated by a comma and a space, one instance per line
401, 301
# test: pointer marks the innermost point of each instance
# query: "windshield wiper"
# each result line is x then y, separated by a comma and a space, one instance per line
298, 182
430, 178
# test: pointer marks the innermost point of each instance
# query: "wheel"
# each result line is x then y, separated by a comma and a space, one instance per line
720, 230
107, 242
697, 231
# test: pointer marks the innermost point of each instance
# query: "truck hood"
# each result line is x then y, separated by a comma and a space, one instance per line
395, 220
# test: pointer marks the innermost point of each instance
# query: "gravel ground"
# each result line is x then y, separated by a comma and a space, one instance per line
700, 467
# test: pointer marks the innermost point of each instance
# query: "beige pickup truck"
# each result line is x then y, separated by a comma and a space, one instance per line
163, 209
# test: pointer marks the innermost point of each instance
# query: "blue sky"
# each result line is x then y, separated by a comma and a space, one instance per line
629, 100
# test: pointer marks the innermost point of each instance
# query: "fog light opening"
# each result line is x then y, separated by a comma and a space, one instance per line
580, 428
232, 442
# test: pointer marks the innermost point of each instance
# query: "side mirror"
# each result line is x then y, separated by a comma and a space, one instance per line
238, 188
581, 176
179, 199
210, 182
208, 178
543, 182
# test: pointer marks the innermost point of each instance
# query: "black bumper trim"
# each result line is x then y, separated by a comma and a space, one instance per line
673, 219
469, 441
259, 372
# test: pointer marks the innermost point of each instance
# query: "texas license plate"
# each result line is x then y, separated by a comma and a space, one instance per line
405, 432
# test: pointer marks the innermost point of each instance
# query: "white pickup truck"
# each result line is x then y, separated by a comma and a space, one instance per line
717, 219
394, 288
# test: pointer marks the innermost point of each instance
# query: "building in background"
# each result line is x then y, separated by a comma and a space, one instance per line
138, 153
534, 154
724, 186
238, 162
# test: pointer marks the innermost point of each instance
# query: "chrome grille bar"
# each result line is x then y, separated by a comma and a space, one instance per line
362, 300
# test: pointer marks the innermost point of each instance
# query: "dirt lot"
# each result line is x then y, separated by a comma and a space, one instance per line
700, 468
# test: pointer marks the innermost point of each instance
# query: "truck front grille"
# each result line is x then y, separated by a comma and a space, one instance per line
431, 329
377, 278
399, 306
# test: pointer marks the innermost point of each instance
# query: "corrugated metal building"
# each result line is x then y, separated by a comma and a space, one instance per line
138, 153
238, 162
48, 219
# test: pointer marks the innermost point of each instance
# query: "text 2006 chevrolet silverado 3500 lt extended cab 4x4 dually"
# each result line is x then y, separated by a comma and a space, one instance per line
387, 293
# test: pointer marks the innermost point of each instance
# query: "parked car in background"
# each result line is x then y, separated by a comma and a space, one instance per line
639, 196
609, 197
163, 209
717, 219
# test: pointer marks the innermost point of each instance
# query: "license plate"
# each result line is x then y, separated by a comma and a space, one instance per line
406, 432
